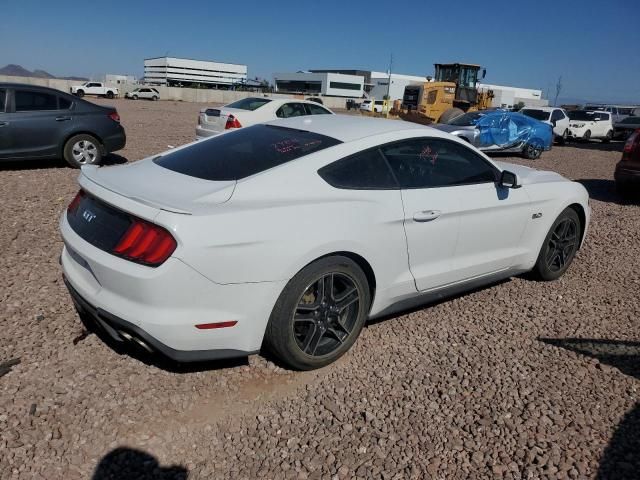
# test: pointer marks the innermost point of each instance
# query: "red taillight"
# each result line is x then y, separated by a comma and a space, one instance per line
145, 243
209, 326
232, 122
632, 146
73, 206
114, 116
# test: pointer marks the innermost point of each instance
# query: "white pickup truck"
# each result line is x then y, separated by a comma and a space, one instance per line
94, 88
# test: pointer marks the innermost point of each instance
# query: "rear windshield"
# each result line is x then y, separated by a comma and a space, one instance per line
249, 103
245, 152
537, 114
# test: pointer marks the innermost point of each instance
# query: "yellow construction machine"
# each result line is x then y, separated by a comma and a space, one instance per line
453, 91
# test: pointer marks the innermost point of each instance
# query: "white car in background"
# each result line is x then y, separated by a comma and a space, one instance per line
590, 124
251, 111
372, 105
292, 234
556, 117
94, 88
148, 93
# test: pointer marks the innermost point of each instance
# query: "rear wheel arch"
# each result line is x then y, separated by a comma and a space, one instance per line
358, 259
81, 132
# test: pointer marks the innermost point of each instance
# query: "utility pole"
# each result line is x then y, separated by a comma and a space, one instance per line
389, 81
558, 90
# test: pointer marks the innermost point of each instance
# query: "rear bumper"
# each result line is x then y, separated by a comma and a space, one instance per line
163, 305
122, 332
115, 141
204, 133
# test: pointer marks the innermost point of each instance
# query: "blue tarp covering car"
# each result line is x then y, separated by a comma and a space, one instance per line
502, 131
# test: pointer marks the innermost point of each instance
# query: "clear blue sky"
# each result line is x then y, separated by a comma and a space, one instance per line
594, 45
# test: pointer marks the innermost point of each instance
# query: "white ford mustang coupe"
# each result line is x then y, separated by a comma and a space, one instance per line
290, 235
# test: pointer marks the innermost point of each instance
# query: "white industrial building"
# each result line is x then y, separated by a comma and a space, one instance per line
173, 71
115, 79
507, 97
346, 83
320, 83
379, 82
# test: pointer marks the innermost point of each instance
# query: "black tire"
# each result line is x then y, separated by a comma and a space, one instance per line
625, 191
308, 329
135, 97
587, 135
80, 93
92, 155
608, 137
532, 150
559, 247
154, 98
563, 138
109, 94
450, 114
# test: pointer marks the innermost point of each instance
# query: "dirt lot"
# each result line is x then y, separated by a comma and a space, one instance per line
520, 380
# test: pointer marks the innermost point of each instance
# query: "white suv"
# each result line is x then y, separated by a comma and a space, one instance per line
143, 92
556, 117
586, 125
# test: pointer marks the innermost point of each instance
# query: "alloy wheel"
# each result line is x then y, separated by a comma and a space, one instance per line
562, 245
326, 314
84, 152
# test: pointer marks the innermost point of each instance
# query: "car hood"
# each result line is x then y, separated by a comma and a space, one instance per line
530, 175
156, 186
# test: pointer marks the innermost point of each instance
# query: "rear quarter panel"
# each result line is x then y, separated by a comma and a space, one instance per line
280, 221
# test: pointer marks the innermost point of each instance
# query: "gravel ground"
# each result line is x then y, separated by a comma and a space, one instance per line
520, 380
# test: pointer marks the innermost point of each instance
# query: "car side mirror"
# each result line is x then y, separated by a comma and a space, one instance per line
509, 180
554, 122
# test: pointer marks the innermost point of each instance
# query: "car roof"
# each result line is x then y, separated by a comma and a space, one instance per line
544, 109
27, 85
348, 128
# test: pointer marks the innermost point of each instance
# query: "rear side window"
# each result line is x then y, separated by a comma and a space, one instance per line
3, 94
433, 162
245, 152
291, 110
249, 103
28, 101
366, 170
316, 109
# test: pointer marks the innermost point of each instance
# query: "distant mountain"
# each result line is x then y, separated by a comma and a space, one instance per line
19, 71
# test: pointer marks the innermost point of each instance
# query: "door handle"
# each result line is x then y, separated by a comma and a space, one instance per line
426, 215
4, 124
62, 119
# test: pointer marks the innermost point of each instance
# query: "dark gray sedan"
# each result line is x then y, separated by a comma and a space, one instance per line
40, 123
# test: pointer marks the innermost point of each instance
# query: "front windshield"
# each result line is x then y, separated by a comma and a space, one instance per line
581, 115
537, 114
467, 120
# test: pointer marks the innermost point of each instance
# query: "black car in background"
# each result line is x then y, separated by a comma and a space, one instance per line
39, 123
